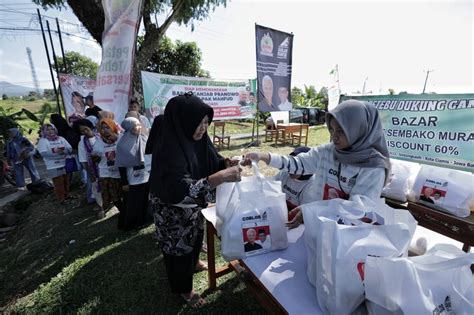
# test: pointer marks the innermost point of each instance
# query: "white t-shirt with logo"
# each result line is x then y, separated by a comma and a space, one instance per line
106, 151
138, 175
81, 150
326, 184
294, 189
49, 151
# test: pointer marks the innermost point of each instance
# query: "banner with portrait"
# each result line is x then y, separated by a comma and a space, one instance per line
74, 89
229, 99
112, 92
431, 129
274, 65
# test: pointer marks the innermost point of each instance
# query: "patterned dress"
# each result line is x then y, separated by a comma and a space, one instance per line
179, 226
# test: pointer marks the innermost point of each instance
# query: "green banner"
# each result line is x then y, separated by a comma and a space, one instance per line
434, 129
229, 99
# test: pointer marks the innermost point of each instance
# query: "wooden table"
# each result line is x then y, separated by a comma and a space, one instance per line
277, 279
286, 131
460, 229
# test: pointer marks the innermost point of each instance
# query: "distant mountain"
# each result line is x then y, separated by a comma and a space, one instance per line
15, 90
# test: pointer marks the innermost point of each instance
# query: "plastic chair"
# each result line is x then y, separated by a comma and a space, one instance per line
220, 140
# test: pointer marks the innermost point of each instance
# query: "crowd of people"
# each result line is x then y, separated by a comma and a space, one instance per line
168, 172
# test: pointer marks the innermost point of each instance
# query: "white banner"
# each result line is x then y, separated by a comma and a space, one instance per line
73, 90
230, 99
112, 92
333, 97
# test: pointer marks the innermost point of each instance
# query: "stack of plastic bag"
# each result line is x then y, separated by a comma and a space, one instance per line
439, 282
339, 235
444, 189
401, 179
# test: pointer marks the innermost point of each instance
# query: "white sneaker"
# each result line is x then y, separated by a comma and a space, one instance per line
22, 188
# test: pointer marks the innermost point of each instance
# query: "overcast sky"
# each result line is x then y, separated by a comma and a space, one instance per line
387, 43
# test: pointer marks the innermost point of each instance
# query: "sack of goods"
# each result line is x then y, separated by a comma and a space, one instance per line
339, 235
439, 282
251, 216
401, 179
446, 190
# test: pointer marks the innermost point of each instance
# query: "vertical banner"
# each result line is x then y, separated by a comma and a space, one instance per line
434, 129
74, 89
334, 90
333, 97
230, 99
274, 62
112, 91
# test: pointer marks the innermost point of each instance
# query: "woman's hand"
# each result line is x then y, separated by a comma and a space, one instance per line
295, 218
231, 174
231, 162
255, 156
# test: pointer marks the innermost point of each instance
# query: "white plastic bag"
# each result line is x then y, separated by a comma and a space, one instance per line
251, 216
444, 189
439, 282
401, 179
338, 241
96, 193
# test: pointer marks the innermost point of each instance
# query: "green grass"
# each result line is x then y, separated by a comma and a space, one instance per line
105, 270
17, 104
29, 126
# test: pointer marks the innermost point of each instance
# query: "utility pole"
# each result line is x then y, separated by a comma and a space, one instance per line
426, 79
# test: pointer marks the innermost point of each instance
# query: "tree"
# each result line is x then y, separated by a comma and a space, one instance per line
180, 58
4, 97
49, 94
78, 64
183, 12
297, 96
310, 97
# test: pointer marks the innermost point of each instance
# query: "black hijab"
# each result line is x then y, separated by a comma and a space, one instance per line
154, 134
178, 160
65, 131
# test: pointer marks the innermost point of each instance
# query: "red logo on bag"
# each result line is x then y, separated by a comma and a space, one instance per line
361, 269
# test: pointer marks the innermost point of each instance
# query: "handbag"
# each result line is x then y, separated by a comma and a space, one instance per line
71, 165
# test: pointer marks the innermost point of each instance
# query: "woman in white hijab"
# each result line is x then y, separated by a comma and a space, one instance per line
134, 175
355, 162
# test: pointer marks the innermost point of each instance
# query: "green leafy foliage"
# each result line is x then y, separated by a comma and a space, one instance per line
176, 58
310, 97
78, 64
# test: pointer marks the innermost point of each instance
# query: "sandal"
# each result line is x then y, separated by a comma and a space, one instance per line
201, 266
195, 301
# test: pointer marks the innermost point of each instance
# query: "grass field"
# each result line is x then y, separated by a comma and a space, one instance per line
29, 126
61, 260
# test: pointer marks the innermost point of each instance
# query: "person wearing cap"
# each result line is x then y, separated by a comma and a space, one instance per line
92, 110
355, 162
295, 185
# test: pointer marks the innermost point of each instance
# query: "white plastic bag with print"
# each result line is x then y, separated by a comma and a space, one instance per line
251, 216
445, 189
439, 282
339, 235
401, 179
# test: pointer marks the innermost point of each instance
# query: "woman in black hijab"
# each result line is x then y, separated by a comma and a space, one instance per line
186, 169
